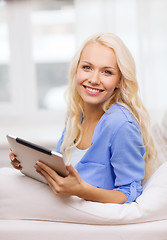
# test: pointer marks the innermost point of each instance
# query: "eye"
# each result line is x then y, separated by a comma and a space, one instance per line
107, 72
86, 67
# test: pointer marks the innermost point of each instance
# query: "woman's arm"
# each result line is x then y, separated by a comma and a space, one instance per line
95, 194
74, 185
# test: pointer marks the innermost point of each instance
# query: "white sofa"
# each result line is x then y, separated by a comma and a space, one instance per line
33, 230
29, 210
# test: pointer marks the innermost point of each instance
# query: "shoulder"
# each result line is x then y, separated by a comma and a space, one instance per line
126, 133
117, 111
116, 116
116, 120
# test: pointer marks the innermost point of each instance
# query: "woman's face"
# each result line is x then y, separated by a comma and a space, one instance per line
97, 74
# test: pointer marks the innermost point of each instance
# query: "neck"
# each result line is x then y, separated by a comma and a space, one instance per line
92, 113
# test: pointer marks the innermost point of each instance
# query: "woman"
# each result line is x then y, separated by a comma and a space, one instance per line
106, 136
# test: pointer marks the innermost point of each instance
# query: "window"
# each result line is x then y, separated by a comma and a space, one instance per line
42, 43
37, 42
5, 94
53, 45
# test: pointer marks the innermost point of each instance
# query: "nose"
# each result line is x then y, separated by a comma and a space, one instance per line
94, 78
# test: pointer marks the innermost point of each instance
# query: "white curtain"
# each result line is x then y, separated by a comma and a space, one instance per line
142, 25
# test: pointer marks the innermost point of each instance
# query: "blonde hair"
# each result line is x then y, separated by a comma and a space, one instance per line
126, 95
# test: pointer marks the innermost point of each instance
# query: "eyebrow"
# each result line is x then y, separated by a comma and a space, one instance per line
103, 67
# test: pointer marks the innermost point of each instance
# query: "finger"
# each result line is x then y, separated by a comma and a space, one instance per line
73, 173
19, 168
16, 165
71, 170
43, 173
12, 156
49, 179
49, 171
15, 162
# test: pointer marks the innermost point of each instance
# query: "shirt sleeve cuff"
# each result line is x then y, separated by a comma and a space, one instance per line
132, 191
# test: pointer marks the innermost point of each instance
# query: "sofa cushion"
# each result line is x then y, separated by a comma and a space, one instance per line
24, 198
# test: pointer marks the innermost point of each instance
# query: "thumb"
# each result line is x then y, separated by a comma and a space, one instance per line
71, 170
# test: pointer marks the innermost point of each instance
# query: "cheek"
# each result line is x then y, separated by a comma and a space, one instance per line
81, 76
109, 85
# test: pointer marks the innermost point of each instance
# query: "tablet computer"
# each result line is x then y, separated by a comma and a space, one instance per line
28, 154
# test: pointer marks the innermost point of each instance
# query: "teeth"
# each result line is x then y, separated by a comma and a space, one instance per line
92, 90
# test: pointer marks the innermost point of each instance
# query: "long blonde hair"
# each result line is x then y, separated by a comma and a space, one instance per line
126, 95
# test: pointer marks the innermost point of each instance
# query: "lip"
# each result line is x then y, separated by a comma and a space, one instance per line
92, 91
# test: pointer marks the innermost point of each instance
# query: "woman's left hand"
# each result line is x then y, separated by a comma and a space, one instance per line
70, 185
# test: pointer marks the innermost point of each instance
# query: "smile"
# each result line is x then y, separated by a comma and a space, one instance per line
93, 90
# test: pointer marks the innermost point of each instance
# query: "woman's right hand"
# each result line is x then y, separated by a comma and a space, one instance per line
15, 163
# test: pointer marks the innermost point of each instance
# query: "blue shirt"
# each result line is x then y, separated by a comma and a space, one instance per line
114, 160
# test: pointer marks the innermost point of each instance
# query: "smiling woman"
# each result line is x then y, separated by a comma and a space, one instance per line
107, 121
104, 114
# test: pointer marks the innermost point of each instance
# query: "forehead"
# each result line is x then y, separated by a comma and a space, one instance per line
97, 53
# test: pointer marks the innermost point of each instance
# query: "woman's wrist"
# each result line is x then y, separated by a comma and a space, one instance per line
83, 191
